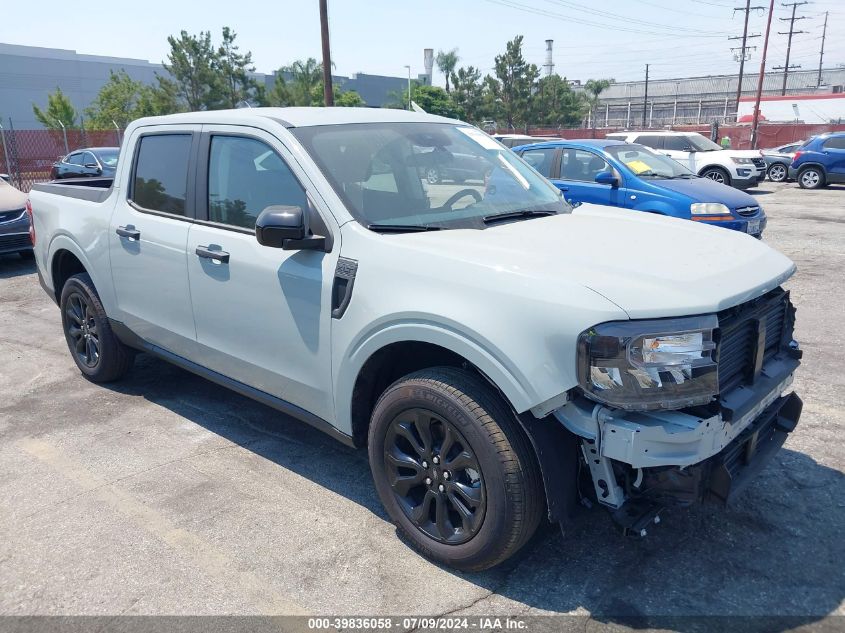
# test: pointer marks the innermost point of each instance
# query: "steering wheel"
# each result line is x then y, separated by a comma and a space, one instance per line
463, 192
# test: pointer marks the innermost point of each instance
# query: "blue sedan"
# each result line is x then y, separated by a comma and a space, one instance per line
635, 177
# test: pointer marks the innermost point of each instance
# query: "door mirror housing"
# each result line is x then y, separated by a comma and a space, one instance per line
607, 178
280, 226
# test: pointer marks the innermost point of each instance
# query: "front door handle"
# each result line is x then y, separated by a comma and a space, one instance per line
131, 232
219, 256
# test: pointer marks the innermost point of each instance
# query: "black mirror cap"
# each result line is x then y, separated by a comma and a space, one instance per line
278, 224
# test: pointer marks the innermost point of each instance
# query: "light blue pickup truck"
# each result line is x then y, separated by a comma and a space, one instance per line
488, 350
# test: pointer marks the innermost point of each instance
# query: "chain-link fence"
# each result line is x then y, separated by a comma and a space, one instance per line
28, 155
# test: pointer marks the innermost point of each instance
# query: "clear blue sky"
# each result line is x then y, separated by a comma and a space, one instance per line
610, 38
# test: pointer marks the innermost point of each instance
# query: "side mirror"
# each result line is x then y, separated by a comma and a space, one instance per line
280, 226
607, 178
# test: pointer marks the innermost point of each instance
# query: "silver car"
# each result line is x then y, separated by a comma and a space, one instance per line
14, 221
778, 160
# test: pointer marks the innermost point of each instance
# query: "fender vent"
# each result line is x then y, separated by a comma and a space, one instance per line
344, 279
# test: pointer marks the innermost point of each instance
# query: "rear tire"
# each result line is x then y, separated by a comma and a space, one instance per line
777, 172
717, 174
97, 352
443, 443
811, 178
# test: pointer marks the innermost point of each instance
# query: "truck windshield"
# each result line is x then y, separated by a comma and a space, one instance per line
646, 163
426, 175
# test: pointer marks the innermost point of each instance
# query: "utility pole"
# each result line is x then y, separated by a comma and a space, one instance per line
786, 67
743, 51
756, 121
328, 92
645, 98
821, 54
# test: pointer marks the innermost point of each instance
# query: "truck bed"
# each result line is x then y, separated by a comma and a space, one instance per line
91, 189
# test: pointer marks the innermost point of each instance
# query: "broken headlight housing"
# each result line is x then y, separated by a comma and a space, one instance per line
649, 364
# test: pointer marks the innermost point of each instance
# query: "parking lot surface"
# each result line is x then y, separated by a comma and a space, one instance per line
165, 494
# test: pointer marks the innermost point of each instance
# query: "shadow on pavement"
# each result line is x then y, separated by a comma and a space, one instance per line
13, 265
778, 552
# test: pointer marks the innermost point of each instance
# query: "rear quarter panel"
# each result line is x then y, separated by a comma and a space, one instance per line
78, 226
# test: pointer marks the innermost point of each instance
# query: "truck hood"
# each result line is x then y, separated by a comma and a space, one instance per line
647, 265
706, 190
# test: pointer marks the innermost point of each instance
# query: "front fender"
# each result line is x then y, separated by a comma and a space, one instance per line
508, 378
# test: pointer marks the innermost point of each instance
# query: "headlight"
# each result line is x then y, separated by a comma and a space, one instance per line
660, 364
709, 208
742, 161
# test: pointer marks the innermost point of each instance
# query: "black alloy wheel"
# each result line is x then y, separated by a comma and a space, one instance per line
82, 330
435, 476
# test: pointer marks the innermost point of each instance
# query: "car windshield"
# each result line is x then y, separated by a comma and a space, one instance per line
701, 143
108, 156
417, 176
647, 163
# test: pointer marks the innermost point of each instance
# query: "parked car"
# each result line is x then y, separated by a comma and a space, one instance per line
14, 221
6, 177
512, 140
820, 161
93, 162
487, 349
438, 165
636, 177
778, 160
738, 168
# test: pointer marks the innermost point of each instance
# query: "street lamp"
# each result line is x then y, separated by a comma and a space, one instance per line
409, 85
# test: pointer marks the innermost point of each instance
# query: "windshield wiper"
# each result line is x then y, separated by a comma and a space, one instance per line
517, 215
402, 228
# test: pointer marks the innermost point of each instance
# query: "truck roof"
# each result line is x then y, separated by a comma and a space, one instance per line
296, 117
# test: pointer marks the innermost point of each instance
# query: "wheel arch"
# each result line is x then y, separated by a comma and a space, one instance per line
815, 164
554, 447
721, 168
65, 258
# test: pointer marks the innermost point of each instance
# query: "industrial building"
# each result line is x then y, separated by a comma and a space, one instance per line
699, 100
29, 73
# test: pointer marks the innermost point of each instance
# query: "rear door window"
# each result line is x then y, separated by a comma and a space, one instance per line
542, 160
836, 142
655, 142
160, 177
676, 143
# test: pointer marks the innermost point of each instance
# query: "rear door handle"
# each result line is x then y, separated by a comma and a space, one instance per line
219, 256
131, 233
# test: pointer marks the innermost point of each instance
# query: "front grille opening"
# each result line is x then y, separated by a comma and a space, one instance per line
739, 329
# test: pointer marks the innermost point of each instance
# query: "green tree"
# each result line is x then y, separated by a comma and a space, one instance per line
468, 92
347, 98
160, 99
432, 99
234, 68
117, 102
446, 62
299, 84
193, 64
592, 89
516, 79
556, 104
59, 111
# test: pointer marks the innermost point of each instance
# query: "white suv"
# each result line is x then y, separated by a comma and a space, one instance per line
739, 168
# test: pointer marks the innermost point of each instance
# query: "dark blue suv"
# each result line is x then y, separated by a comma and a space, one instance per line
820, 161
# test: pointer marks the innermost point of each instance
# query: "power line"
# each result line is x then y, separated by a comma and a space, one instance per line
792, 20
743, 51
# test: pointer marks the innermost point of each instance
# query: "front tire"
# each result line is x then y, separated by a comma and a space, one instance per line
717, 174
811, 178
97, 352
432, 175
777, 172
454, 469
